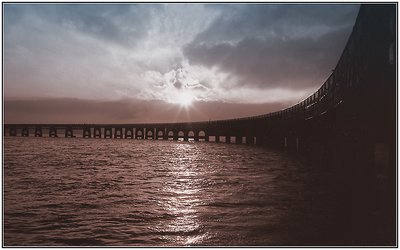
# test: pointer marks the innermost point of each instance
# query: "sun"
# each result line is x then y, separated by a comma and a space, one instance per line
185, 99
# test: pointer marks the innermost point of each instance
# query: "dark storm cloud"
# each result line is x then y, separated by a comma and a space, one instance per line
220, 54
122, 24
269, 46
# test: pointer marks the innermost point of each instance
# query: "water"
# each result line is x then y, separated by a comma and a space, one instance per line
75, 191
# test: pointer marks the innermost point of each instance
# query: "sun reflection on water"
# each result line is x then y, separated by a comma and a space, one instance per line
183, 198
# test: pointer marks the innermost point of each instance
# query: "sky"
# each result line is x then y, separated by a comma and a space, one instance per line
133, 63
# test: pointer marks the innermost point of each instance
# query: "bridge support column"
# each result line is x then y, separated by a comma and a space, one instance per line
285, 143
239, 139
228, 139
217, 138
87, 133
97, 132
250, 140
155, 135
107, 132
118, 133
25, 132
53, 132
13, 131
69, 132
38, 132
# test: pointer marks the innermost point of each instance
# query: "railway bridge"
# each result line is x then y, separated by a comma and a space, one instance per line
352, 113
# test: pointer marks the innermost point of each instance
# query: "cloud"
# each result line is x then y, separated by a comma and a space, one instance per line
274, 62
269, 46
217, 52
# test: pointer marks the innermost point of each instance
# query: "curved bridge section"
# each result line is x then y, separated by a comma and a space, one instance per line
356, 104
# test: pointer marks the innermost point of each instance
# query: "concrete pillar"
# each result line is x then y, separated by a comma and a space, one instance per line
186, 135
250, 140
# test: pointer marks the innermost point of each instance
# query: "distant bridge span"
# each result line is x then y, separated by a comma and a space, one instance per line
354, 107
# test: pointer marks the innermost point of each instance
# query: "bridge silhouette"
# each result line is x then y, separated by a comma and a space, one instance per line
348, 125
354, 108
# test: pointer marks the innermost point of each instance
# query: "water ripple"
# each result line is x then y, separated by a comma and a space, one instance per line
94, 192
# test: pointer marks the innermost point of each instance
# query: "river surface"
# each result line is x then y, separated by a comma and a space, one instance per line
117, 192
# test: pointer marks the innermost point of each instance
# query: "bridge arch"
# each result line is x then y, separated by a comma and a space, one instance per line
97, 132
118, 133
171, 135
149, 134
202, 136
128, 133
160, 134
139, 133
191, 134
181, 135
25, 132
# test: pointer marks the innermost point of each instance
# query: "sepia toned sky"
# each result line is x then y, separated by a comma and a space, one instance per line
128, 63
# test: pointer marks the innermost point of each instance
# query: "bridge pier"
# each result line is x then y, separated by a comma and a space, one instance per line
239, 139
217, 138
228, 139
38, 132
69, 132
250, 140
107, 132
97, 132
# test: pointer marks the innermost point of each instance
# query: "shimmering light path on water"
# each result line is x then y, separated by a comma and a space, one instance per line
74, 191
